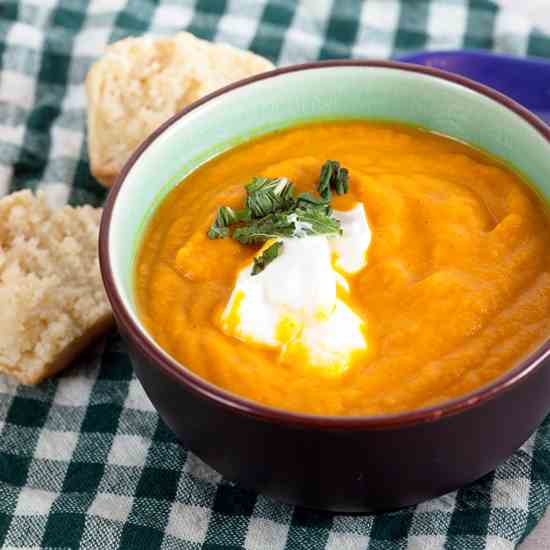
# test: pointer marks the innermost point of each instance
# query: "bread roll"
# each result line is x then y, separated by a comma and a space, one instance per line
51, 295
140, 82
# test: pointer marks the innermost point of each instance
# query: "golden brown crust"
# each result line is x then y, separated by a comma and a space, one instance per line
65, 358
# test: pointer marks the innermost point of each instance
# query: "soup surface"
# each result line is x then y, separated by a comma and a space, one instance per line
455, 290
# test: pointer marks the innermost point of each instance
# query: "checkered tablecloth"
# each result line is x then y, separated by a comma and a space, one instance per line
85, 461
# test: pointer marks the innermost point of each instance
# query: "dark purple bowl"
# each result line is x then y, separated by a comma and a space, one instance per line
345, 464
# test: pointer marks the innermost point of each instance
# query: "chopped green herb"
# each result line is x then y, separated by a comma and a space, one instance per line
266, 195
324, 180
227, 216
290, 224
271, 226
307, 200
273, 210
268, 255
333, 178
315, 221
342, 181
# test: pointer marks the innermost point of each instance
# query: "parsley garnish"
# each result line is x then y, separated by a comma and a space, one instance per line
227, 216
274, 211
268, 255
333, 178
266, 195
290, 224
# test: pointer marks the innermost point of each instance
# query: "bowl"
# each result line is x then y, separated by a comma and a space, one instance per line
345, 464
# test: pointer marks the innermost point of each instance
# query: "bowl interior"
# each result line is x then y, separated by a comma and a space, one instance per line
311, 94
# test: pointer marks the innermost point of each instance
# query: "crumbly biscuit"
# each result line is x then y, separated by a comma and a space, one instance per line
140, 82
51, 295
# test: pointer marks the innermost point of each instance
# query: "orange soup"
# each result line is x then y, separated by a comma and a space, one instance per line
454, 289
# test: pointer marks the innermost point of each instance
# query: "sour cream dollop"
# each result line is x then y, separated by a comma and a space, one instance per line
292, 305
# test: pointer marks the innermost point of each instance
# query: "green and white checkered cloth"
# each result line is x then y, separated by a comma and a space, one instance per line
85, 461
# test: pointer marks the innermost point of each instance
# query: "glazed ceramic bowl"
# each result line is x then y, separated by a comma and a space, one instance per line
335, 463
